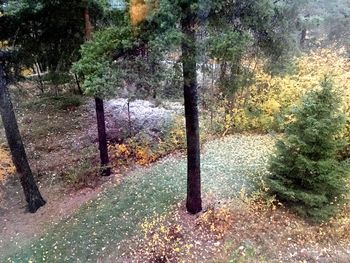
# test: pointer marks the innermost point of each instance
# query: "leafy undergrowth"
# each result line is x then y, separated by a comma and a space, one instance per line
6, 168
260, 234
246, 230
6, 165
177, 237
145, 150
118, 213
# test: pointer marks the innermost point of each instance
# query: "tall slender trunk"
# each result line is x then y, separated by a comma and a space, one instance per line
19, 157
303, 38
41, 84
78, 84
102, 137
88, 26
129, 118
212, 95
100, 115
194, 201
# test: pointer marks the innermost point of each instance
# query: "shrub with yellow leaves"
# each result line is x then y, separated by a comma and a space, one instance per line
145, 150
216, 220
139, 10
6, 165
133, 150
120, 151
163, 240
145, 156
266, 104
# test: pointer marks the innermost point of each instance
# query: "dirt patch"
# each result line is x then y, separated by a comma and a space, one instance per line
17, 227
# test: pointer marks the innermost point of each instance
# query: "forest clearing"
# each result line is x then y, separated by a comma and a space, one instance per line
175, 131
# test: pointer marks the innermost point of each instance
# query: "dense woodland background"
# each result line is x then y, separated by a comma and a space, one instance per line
115, 101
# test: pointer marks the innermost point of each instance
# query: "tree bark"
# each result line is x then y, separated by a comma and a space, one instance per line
78, 84
100, 115
129, 118
102, 137
88, 26
19, 157
303, 37
41, 84
194, 201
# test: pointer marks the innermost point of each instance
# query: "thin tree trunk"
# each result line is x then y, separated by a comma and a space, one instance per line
41, 84
194, 201
129, 118
19, 157
212, 95
100, 115
303, 38
78, 84
102, 137
88, 26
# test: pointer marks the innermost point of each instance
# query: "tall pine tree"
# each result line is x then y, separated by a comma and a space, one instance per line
189, 63
14, 139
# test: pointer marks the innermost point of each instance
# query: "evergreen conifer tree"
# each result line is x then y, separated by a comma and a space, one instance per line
305, 172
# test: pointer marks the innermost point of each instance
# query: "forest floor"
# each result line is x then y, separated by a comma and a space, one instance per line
143, 219
138, 214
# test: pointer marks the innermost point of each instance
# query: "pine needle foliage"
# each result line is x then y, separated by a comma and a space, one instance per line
305, 172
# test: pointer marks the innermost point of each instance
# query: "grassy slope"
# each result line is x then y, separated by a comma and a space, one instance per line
92, 233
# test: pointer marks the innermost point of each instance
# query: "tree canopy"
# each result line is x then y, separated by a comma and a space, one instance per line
46, 32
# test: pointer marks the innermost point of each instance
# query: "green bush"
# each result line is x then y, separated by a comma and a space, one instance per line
83, 174
68, 102
305, 172
57, 78
60, 102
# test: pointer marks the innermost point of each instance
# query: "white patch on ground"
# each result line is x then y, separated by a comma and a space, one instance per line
144, 116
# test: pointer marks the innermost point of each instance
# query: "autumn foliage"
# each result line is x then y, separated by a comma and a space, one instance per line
216, 221
139, 10
145, 150
6, 166
265, 105
164, 240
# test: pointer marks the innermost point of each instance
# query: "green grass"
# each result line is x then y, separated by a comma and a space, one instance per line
93, 232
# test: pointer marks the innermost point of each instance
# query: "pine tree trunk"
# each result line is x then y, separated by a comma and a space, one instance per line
102, 137
194, 201
19, 157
